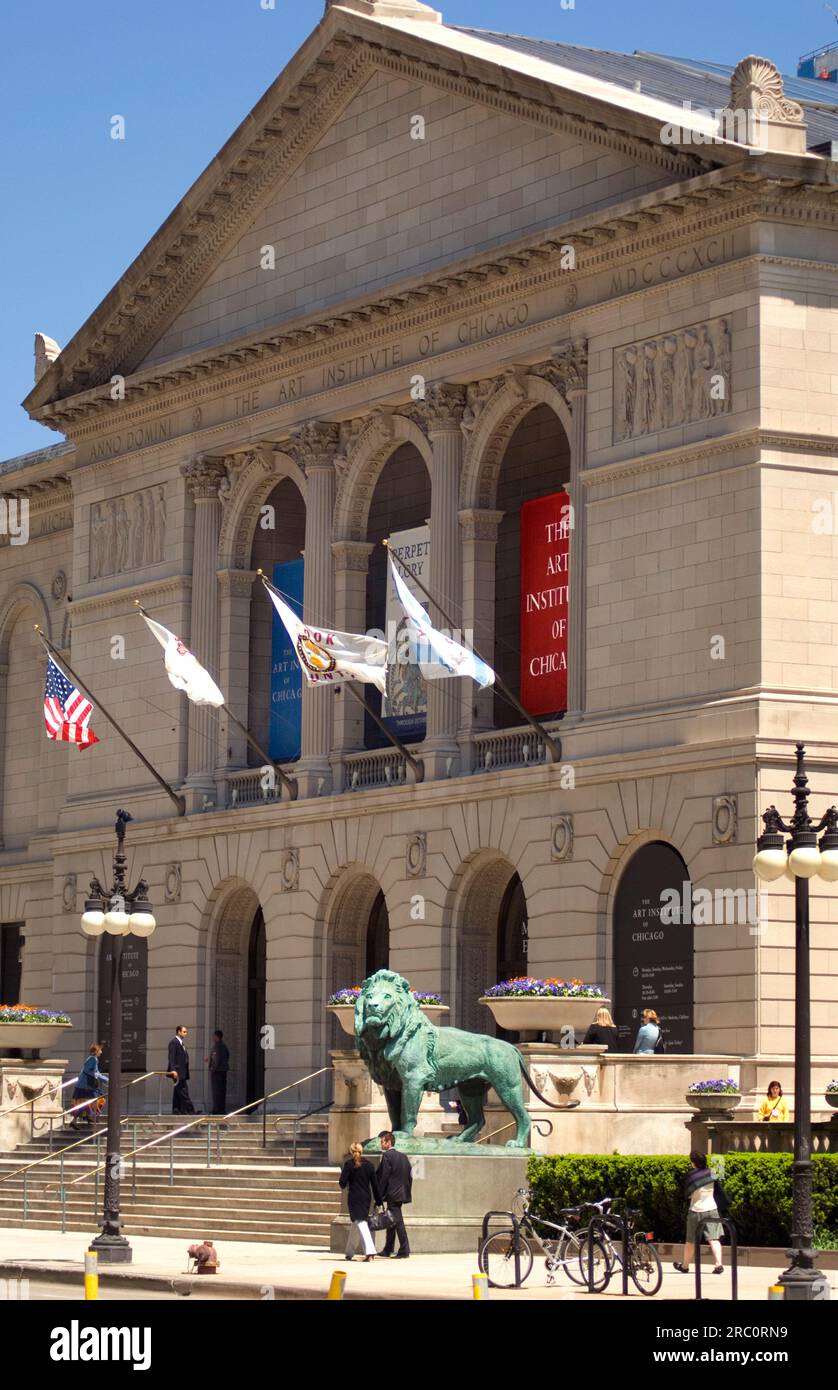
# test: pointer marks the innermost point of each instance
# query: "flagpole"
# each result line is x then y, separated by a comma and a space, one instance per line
418, 768
553, 744
178, 800
288, 782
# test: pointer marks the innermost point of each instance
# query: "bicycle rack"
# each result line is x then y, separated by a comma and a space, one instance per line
516, 1237
734, 1253
594, 1228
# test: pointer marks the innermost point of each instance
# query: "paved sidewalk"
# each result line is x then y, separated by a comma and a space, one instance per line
256, 1270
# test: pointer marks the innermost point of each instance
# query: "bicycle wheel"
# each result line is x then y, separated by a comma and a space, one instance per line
496, 1259
645, 1268
569, 1254
603, 1264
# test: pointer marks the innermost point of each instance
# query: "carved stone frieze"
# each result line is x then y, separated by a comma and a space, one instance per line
128, 532
675, 379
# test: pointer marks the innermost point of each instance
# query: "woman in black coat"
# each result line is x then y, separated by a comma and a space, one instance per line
359, 1177
602, 1030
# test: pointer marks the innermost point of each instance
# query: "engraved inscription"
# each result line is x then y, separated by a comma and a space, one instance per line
127, 533
676, 379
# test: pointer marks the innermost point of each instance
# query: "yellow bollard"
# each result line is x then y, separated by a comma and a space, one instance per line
776, 1293
337, 1285
91, 1274
480, 1286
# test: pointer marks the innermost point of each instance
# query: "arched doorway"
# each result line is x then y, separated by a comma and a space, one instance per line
492, 938
653, 955
378, 937
256, 973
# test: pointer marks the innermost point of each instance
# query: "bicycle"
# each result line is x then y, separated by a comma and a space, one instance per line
644, 1265
562, 1248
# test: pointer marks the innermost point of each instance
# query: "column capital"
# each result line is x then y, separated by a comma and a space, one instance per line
480, 524
314, 445
204, 475
440, 410
567, 369
236, 583
352, 555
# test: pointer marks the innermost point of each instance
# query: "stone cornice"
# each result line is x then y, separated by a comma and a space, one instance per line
178, 584
751, 440
643, 227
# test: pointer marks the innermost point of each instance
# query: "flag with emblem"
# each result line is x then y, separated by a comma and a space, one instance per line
327, 656
183, 669
67, 712
445, 657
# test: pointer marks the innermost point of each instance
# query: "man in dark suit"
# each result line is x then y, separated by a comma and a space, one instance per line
178, 1069
395, 1185
219, 1065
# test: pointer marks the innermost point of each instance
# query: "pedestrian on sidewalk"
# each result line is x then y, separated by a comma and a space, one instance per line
219, 1065
88, 1087
178, 1069
359, 1177
395, 1186
699, 1188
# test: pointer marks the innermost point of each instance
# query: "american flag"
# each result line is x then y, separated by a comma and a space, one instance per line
66, 711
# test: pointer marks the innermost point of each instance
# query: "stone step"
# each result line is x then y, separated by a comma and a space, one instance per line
88, 1226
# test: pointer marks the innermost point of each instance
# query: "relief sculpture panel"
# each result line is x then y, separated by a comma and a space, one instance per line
127, 533
677, 378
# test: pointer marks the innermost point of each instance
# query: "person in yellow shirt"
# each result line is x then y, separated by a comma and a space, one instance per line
775, 1106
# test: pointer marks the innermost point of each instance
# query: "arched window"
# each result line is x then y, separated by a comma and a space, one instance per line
378, 938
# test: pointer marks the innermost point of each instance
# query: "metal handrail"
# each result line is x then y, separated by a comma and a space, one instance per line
484, 1138
203, 1120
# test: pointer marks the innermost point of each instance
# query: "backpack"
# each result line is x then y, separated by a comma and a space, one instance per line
721, 1199
660, 1045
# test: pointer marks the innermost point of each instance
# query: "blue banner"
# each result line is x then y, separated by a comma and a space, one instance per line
286, 676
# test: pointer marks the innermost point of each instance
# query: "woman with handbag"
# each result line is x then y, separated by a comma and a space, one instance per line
87, 1087
775, 1106
359, 1177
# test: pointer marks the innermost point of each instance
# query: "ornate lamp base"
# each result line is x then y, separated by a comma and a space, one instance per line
112, 1249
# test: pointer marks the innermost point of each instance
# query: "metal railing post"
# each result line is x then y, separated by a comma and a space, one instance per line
218, 1143
209, 1144
626, 1255
63, 1195
172, 1161
25, 1201
160, 1093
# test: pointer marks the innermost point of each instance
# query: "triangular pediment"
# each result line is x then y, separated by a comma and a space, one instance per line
332, 172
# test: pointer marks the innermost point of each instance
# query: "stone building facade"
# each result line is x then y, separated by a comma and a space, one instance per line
367, 331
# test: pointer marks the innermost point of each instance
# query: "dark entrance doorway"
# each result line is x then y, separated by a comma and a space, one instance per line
512, 932
255, 1081
378, 937
11, 945
653, 955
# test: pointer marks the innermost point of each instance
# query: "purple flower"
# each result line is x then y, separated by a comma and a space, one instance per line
523, 986
724, 1086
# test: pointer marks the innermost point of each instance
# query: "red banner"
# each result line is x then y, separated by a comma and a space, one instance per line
545, 549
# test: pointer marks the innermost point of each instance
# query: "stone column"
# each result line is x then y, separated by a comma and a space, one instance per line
577, 399
442, 412
351, 561
236, 592
203, 476
313, 447
478, 536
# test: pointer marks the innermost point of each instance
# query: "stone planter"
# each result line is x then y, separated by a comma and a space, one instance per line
30, 1037
345, 1015
718, 1105
530, 1015
831, 1098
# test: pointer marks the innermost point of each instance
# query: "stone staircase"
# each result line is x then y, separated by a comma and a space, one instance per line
250, 1193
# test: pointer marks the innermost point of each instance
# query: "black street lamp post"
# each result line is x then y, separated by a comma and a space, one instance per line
801, 857
119, 912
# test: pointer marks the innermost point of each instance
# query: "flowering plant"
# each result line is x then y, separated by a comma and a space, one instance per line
28, 1013
526, 985
831, 1086
725, 1086
350, 993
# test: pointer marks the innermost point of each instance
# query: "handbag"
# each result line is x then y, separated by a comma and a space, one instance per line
381, 1221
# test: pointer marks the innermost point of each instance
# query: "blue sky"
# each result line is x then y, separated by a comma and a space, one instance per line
79, 206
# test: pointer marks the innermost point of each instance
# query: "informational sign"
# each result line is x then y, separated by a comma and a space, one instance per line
653, 958
286, 677
545, 553
405, 706
134, 1000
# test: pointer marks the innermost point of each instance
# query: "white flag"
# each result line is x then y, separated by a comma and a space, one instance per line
184, 671
326, 655
449, 658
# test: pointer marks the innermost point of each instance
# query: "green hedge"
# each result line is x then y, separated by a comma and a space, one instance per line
758, 1187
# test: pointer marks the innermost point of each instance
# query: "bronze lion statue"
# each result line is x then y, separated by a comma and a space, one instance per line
407, 1055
